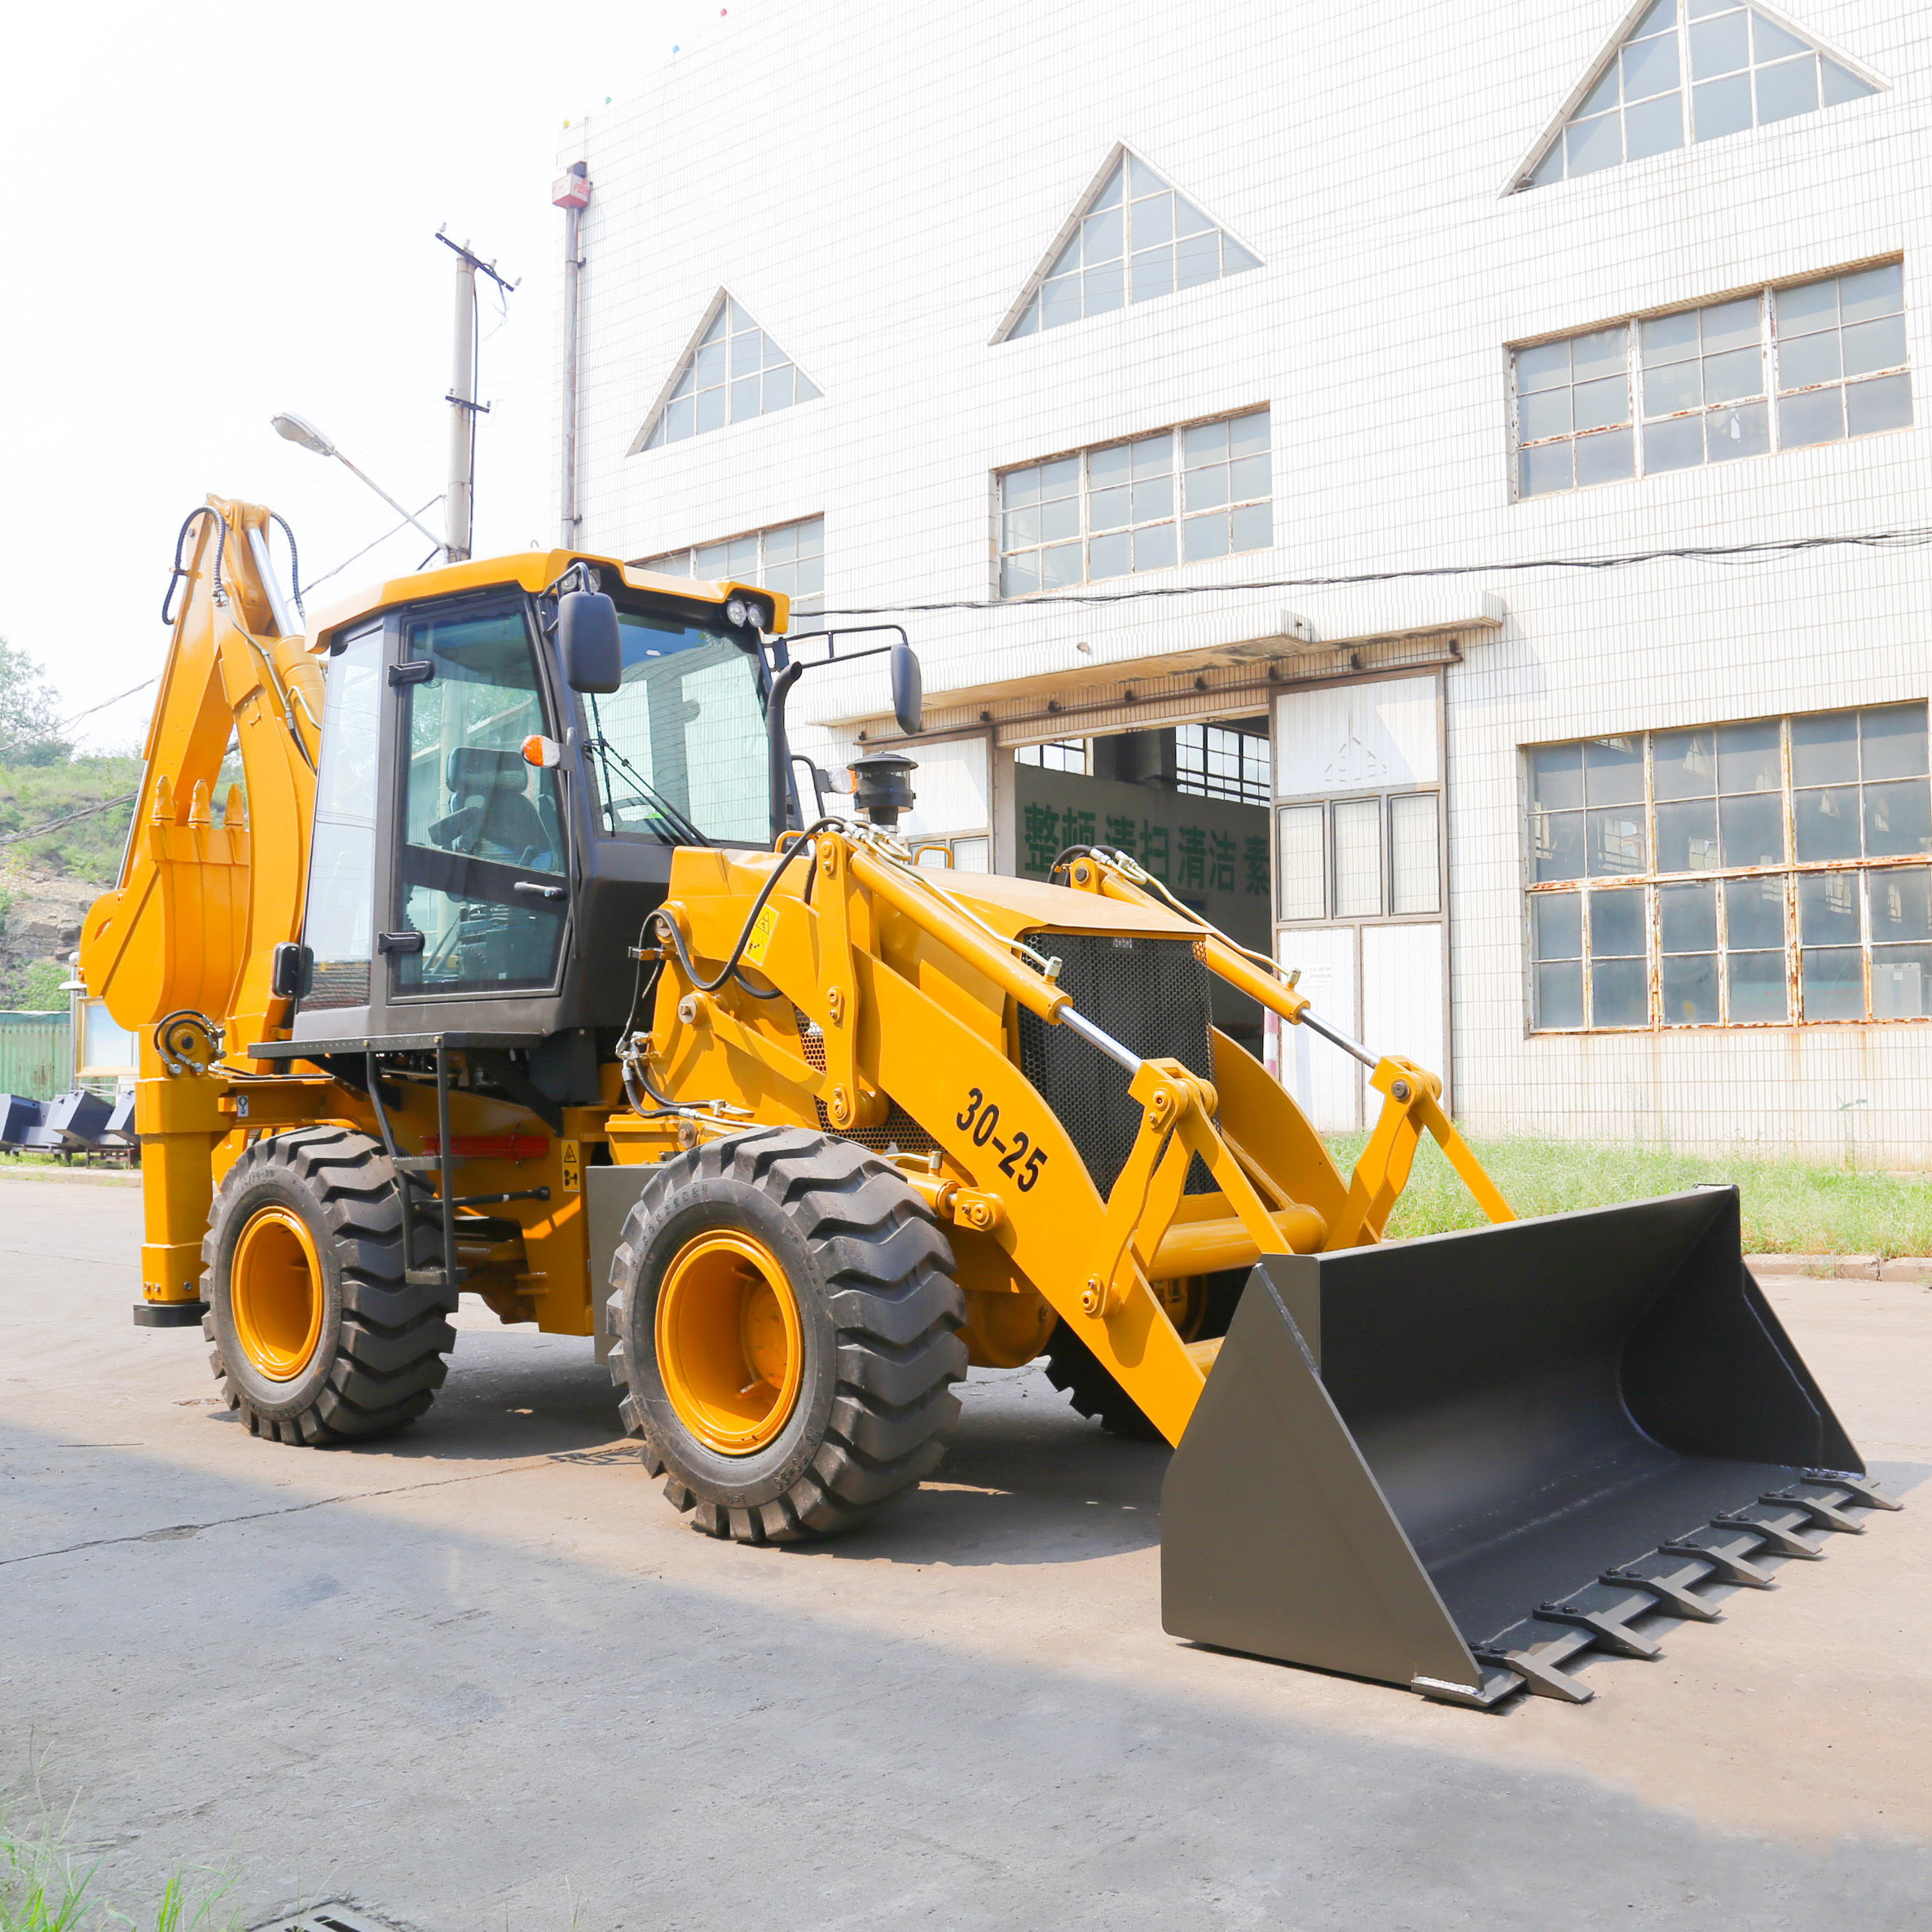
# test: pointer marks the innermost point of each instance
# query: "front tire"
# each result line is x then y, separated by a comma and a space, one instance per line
318, 1339
786, 1334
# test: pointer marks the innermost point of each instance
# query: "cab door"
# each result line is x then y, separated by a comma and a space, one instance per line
480, 893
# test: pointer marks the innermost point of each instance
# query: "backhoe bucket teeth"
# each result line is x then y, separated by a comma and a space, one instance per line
1404, 1453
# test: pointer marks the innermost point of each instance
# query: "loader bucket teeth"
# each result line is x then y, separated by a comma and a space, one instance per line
1464, 1463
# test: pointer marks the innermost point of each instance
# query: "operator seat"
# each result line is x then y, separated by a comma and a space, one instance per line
493, 816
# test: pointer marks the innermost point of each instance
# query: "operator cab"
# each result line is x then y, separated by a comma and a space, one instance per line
488, 840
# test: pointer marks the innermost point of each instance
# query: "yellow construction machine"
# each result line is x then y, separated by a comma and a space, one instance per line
526, 959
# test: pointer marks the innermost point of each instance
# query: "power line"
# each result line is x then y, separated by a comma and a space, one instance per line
367, 547
1758, 552
54, 731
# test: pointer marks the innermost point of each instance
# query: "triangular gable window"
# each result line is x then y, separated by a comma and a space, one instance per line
1692, 70
732, 372
1134, 239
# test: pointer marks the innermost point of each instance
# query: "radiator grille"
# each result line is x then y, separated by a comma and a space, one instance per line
1151, 995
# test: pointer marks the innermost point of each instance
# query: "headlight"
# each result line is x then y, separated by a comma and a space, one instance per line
738, 612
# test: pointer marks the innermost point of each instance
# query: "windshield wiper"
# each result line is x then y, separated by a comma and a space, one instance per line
688, 833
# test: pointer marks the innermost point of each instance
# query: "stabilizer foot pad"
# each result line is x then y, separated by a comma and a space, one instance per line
169, 1314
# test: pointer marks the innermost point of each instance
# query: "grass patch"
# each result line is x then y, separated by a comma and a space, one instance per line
45, 1888
1790, 1207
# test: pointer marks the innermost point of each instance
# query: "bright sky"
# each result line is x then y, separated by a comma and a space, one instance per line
210, 214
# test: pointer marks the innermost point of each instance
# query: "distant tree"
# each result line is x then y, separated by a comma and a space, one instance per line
39, 988
29, 713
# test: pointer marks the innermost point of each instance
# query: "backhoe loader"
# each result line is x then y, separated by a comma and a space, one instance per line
528, 962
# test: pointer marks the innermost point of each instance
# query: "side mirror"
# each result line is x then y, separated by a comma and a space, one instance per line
290, 972
589, 641
908, 689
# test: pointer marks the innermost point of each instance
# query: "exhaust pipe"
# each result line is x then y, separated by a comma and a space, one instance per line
1456, 1463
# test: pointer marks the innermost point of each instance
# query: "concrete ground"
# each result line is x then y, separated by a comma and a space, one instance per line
484, 1676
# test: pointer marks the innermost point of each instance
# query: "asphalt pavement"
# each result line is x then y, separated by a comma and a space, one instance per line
483, 1676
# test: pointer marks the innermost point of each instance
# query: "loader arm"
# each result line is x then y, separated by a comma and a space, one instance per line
1411, 1096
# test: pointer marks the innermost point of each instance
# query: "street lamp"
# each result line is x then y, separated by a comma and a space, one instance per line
298, 430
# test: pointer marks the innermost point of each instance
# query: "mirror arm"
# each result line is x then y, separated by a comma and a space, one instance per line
778, 761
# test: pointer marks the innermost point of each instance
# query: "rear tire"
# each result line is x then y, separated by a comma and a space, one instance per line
1200, 1307
318, 1339
803, 1268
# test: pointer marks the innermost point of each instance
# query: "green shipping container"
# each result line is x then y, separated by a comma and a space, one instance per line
36, 1055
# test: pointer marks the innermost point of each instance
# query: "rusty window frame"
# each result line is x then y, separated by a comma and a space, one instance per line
1789, 872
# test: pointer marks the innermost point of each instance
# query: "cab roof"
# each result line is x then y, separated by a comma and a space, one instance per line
534, 570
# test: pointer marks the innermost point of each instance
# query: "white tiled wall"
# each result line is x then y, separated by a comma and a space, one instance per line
876, 182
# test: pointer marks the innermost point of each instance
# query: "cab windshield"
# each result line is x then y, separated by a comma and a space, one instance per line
679, 750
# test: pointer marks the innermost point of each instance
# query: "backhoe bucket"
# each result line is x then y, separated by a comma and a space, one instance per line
1457, 1463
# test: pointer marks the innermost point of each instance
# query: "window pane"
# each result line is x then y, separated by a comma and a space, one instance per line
1817, 417
1415, 867
1825, 748
1060, 517
1358, 859
1803, 360
1897, 819
1825, 823
1603, 352
1828, 909
1060, 566
1110, 509
1676, 443
1104, 288
1733, 376
1841, 85
1790, 88
1748, 757
1556, 776
1728, 325
1720, 47
1669, 338
1757, 987
1649, 66
1684, 763
1618, 844
1722, 106
1690, 990
1901, 982
1619, 993
1751, 829
1872, 292
1301, 864
1113, 464
1892, 742
1152, 455
1020, 574
1154, 221
1251, 527
1100, 236
711, 409
1602, 97
1606, 458
1206, 537
1878, 345
1020, 486
1614, 771
1556, 845
1885, 404
1594, 144
1249, 478
1669, 387
1205, 489
1154, 499
1686, 837
1687, 918
1901, 905
1559, 995
1617, 925
1109, 555
1543, 367
1733, 432
1153, 275
1811, 306
1154, 546
1060, 478
1753, 914
1020, 529
1545, 467
1556, 925
1603, 403
1832, 983
1248, 435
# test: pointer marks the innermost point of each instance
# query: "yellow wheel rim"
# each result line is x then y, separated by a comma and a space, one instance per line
275, 1293
731, 1350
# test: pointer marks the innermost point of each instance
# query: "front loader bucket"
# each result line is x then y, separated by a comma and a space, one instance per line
1457, 1463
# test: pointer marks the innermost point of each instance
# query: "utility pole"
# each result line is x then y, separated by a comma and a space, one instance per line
463, 406
571, 193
